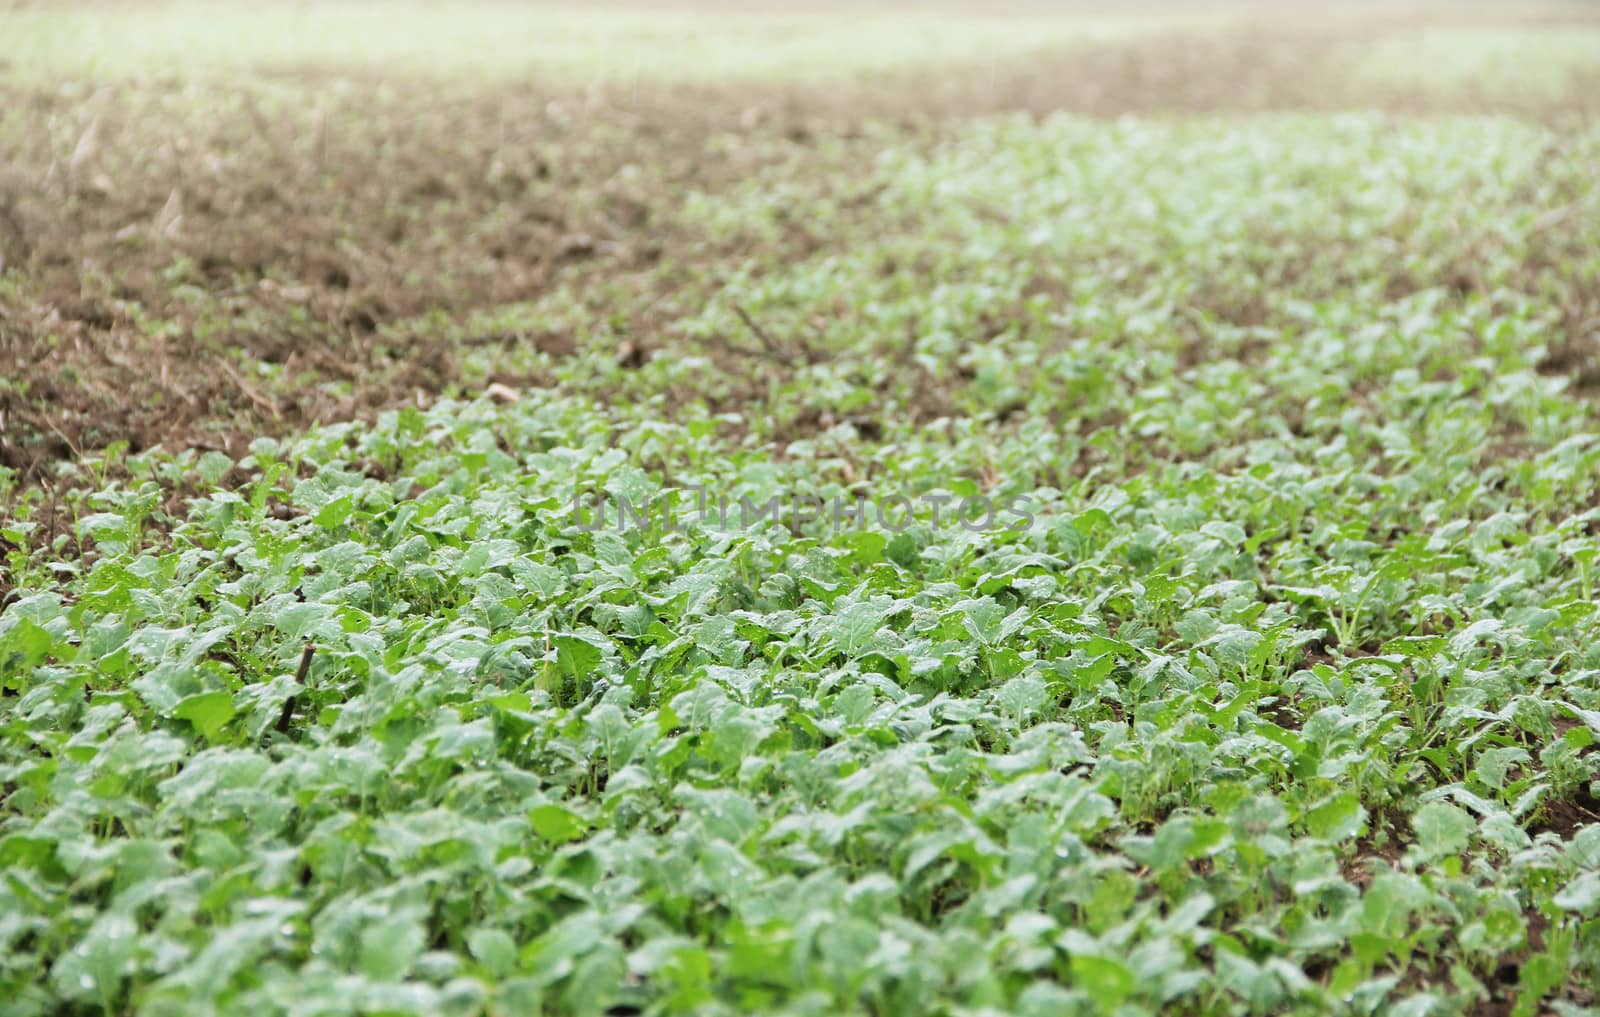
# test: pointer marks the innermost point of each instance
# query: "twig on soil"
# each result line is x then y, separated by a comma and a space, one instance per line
750, 351
773, 350
250, 392
1554, 217
492, 339
77, 453
300, 674
909, 353
50, 524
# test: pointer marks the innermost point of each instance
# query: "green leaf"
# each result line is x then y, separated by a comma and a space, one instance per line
855, 626
512, 702
95, 967
543, 581
577, 656
494, 949
556, 823
1337, 819
389, 947
336, 512
1442, 829
1582, 894
23, 646
299, 621
1107, 980
209, 712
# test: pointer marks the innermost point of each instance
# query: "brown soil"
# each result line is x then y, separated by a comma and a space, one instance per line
1566, 816
258, 273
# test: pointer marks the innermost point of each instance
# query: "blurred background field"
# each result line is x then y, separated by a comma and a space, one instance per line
608, 42
1488, 48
